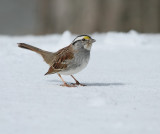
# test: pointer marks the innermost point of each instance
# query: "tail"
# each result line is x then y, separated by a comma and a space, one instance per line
29, 47
47, 56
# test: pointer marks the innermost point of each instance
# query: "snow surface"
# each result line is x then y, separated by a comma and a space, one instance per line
122, 96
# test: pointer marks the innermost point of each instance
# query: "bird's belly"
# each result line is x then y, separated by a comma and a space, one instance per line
74, 70
76, 65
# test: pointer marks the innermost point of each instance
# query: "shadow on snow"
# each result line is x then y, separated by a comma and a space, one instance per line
98, 84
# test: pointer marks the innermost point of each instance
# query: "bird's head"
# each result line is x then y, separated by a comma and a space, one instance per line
83, 41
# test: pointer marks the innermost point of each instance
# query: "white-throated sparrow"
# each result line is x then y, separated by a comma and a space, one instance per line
68, 60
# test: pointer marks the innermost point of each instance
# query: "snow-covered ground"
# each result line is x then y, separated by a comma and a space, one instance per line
122, 96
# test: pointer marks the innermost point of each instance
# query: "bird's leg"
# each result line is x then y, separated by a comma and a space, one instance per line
77, 82
65, 84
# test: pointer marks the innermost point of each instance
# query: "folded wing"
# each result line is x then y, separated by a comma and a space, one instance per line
61, 60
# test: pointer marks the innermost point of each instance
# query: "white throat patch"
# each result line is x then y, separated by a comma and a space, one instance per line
88, 46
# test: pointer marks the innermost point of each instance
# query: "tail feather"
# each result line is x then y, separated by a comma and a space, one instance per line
47, 56
29, 47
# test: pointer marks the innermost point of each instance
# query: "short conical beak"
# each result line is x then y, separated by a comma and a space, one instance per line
93, 40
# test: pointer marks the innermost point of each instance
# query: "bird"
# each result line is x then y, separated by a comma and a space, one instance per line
68, 60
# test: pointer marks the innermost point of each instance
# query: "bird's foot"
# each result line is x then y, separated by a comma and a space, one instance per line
67, 85
79, 84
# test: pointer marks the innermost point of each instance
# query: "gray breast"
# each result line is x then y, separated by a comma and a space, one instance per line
80, 61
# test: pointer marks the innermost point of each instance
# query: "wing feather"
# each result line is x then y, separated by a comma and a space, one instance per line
61, 60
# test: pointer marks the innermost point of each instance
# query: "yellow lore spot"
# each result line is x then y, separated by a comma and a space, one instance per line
86, 37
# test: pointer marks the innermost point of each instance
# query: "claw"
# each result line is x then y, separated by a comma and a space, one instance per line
67, 85
77, 83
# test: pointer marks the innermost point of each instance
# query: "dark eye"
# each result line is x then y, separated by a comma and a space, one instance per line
83, 39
